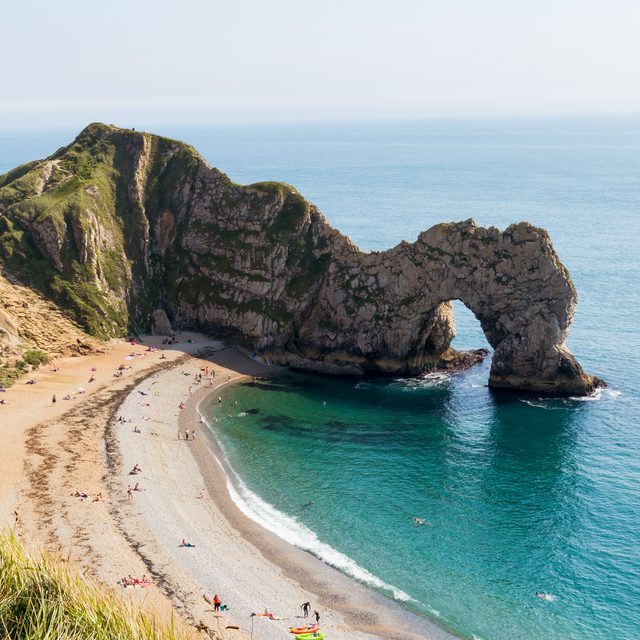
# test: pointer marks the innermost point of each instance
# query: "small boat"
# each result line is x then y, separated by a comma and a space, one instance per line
310, 636
310, 629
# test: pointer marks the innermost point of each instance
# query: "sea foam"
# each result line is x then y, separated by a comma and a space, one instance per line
297, 534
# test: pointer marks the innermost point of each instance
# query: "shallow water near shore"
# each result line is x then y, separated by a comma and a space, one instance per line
516, 494
519, 494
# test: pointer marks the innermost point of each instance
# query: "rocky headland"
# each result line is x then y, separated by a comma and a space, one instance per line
123, 230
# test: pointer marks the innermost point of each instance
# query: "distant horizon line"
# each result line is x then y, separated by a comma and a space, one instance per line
561, 116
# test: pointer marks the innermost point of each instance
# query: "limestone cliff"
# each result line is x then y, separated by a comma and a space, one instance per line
121, 225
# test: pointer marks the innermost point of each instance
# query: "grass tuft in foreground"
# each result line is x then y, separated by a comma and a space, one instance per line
42, 598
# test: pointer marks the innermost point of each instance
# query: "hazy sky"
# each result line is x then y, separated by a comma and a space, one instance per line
67, 62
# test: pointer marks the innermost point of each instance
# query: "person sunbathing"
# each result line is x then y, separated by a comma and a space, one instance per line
98, 497
80, 494
184, 543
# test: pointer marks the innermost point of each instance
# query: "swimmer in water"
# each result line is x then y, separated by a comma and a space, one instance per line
417, 520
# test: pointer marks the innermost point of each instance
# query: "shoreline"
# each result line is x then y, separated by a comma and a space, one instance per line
275, 574
58, 449
365, 610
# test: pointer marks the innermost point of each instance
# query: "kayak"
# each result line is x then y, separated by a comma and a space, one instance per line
311, 629
310, 636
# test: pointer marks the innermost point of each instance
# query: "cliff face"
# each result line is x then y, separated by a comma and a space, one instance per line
120, 224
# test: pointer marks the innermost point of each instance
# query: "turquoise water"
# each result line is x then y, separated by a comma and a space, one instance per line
520, 494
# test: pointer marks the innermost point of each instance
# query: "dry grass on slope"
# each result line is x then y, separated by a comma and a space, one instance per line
43, 598
32, 330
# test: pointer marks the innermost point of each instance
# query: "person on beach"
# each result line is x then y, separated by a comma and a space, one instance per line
316, 614
305, 606
186, 434
130, 493
54, 399
193, 434
216, 603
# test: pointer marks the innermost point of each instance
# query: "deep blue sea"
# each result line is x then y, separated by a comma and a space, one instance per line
518, 494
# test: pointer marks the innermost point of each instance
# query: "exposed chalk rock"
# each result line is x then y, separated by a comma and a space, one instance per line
153, 227
160, 325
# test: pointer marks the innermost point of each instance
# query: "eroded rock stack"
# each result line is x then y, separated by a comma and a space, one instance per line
122, 224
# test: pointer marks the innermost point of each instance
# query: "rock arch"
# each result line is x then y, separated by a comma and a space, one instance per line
390, 312
262, 266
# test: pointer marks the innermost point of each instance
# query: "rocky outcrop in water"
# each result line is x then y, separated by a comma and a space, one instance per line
121, 227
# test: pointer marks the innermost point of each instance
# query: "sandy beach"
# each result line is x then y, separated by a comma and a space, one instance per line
91, 445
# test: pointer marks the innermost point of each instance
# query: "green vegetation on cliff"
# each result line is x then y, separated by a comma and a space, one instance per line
70, 225
99, 228
119, 224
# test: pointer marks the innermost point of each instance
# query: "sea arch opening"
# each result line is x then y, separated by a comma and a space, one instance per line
469, 332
